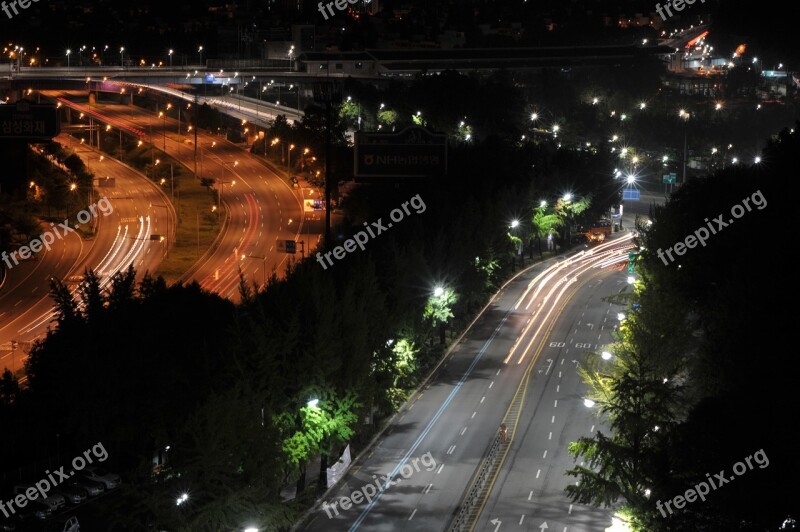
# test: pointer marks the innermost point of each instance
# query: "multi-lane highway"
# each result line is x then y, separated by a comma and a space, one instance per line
136, 209
262, 207
532, 327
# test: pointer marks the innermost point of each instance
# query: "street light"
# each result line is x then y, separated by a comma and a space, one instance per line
631, 279
68, 52
171, 51
200, 51
683, 114
514, 224
588, 403
122, 56
605, 355
438, 291
313, 403
164, 116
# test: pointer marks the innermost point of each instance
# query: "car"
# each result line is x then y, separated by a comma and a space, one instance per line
99, 474
92, 488
35, 511
74, 495
53, 500
63, 524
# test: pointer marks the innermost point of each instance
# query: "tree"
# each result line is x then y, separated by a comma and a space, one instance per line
439, 309
543, 224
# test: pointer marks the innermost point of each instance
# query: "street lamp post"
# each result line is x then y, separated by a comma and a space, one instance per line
68, 53
200, 51
171, 51
161, 114
685, 116
122, 57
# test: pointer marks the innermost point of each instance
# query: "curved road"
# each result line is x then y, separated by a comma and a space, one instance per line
457, 414
262, 208
122, 239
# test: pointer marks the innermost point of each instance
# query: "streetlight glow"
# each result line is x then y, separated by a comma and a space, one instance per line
588, 403
313, 403
606, 355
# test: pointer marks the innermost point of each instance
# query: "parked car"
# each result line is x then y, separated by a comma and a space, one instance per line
92, 488
35, 511
99, 474
63, 524
53, 500
74, 495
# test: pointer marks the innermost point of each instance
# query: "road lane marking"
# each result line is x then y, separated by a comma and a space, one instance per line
440, 469
539, 472
412, 514
463, 430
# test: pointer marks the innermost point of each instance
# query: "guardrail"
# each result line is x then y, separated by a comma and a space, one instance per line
473, 492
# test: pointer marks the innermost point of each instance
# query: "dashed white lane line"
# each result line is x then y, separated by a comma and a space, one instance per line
428, 488
473, 415
491, 384
440, 469
556, 404
521, 518
539, 472
451, 449
545, 454
412, 514
553, 420
463, 431
483, 399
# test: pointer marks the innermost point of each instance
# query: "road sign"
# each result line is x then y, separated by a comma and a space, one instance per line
670, 179
631, 194
631, 262
287, 246
412, 152
29, 121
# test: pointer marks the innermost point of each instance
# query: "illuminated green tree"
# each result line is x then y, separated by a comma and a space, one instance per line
439, 309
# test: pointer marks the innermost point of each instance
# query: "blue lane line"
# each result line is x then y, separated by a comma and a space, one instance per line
432, 422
